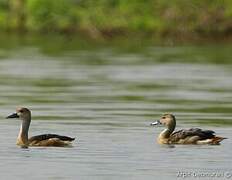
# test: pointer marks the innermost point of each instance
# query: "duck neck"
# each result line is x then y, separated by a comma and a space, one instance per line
165, 133
168, 131
22, 139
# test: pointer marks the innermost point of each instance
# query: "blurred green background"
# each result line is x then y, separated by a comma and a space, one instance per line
104, 19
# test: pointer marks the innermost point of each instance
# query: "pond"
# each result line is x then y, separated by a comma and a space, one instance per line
106, 96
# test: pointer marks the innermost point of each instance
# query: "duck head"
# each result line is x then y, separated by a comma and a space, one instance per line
168, 120
21, 113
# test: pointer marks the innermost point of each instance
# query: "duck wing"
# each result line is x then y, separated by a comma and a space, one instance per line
50, 140
43, 137
194, 133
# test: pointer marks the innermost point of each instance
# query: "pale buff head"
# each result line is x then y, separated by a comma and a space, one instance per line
23, 113
168, 120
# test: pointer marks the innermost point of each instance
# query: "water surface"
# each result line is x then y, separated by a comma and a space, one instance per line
106, 97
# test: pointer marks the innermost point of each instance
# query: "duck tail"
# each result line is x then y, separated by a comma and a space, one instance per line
217, 139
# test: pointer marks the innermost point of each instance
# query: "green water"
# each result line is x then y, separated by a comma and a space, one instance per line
106, 96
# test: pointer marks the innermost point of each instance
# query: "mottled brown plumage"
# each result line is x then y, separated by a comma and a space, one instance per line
41, 140
50, 140
190, 136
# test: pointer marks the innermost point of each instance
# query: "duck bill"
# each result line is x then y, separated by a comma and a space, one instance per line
14, 115
156, 123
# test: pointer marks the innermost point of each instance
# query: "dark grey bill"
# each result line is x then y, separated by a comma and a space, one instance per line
14, 115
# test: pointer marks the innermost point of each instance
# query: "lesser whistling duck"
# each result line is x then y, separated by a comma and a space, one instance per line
184, 136
24, 115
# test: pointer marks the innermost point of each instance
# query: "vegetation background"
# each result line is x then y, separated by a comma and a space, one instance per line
103, 19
